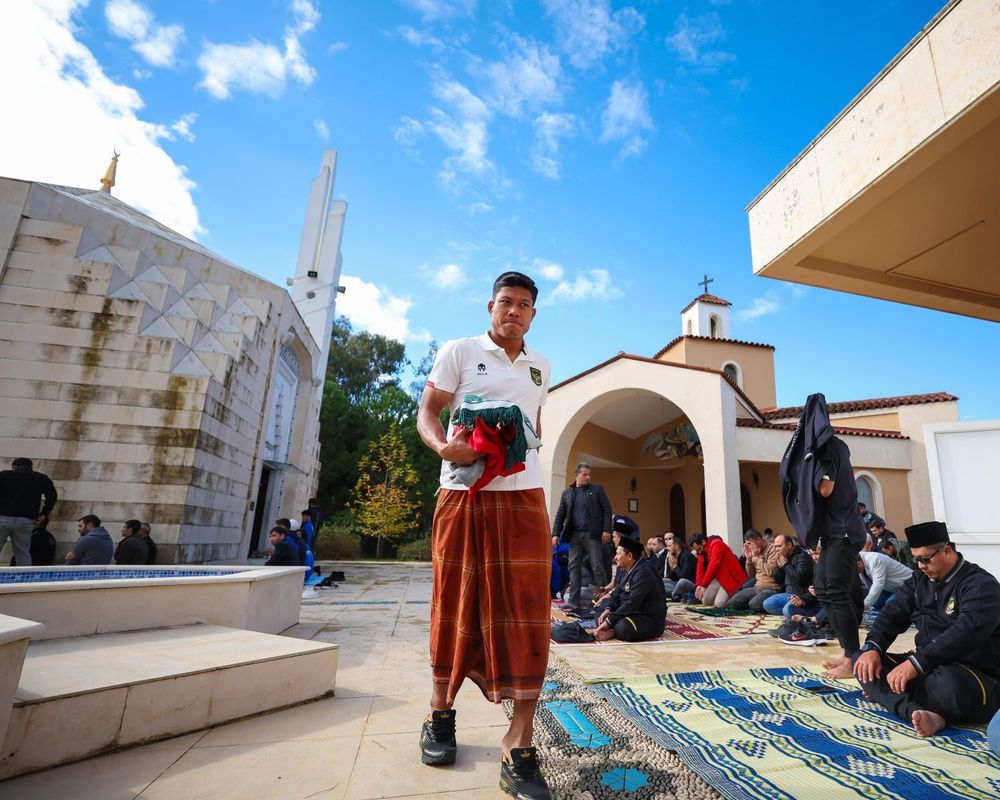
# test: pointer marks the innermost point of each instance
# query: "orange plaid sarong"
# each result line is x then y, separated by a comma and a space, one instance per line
492, 558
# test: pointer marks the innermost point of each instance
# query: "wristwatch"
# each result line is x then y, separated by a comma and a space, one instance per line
869, 646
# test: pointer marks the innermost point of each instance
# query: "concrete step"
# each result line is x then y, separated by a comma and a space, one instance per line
85, 695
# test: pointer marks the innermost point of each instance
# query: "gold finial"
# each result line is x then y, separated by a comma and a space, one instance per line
109, 177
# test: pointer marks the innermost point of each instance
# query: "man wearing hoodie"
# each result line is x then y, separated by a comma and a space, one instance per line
821, 501
94, 545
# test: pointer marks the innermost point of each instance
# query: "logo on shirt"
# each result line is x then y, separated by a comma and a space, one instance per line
481, 368
536, 376
950, 607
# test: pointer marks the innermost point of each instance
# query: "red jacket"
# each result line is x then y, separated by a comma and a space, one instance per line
722, 566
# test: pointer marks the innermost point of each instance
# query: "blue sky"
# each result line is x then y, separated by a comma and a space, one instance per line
609, 149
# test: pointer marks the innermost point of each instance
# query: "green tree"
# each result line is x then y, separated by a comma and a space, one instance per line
343, 437
382, 502
361, 363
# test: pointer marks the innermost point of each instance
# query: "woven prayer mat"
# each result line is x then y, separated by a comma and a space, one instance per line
744, 625
785, 734
725, 611
588, 750
674, 631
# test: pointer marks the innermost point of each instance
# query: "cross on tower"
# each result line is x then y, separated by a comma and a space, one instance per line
706, 282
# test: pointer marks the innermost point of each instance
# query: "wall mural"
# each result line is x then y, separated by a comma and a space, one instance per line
677, 441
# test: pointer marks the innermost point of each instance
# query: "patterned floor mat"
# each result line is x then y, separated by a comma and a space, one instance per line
588, 751
786, 733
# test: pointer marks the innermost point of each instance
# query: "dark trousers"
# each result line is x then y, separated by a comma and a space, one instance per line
582, 545
635, 628
956, 692
838, 590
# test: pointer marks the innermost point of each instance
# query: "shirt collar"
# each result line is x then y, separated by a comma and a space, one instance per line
955, 569
485, 342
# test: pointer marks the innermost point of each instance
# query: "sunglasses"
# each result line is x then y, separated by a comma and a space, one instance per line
928, 559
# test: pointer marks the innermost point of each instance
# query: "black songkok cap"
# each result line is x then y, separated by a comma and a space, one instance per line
925, 534
631, 545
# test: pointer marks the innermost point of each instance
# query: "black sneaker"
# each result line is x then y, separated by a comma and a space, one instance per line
786, 627
825, 634
437, 738
803, 635
522, 778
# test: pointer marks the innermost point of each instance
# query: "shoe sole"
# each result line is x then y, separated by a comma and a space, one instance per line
438, 761
800, 642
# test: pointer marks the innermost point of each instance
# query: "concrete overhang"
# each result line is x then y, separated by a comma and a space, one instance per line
766, 445
899, 197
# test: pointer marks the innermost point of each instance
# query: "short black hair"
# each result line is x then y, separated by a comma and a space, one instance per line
306, 513
862, 505
21, 461
279, 529
91, 519
699, 538
133, 525
313, 501
752, 533
284, 522
516, 279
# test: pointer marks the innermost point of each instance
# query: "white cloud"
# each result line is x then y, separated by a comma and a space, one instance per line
549, 270
549, 130
407, 133
442, 9
157, 44
75, 114
691, 37
448, 276
587, 31
626, 117
377, 310
525, 80
259, 67
463, 130
181, 128
336, 47
322, 131
478, 207
419, 38
589, 284
759, 307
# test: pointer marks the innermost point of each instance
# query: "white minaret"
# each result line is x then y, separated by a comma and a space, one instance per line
317, 272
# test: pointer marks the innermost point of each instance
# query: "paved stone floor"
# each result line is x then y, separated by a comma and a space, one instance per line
362, 743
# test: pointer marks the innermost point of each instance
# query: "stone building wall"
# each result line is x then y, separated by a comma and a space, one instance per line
135, 369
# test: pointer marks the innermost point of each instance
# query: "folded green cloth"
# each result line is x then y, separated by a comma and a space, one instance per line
496, 413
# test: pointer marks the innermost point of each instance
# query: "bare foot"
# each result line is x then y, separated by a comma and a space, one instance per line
833, 663
839, 669
927, 723
604, 635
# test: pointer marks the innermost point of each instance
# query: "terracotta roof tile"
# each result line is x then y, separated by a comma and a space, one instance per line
672, 342
871, 433
870, 404
707, 298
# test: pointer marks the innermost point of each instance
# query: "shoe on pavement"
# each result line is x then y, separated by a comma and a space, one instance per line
803, 635
522, 778
437, 738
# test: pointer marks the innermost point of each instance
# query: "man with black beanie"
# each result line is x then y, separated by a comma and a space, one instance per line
821, 501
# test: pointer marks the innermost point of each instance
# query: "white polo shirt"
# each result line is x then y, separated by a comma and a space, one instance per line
476, 365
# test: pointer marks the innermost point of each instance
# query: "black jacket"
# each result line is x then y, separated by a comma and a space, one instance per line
958, 620
797, 573
687, 567
131, 550
21, 492
286, 554
812, 453
639, 595
598, 510
658, 563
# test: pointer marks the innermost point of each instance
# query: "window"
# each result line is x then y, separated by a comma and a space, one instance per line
870, 491
865, 493
733, 371
714, 327
690, 327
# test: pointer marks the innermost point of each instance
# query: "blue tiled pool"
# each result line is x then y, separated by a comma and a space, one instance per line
68, 574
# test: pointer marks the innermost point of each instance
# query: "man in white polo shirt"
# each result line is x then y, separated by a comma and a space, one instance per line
491, 554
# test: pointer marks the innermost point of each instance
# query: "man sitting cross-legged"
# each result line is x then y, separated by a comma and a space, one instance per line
637, 608
762, 566
954, 674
